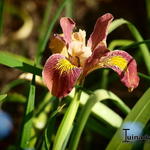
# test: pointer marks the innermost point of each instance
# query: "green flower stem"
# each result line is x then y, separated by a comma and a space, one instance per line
82, 119
67, 121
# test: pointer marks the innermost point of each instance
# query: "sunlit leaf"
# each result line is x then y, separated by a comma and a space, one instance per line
90, 105
16, 97
118, 43
27, 123
66, 123
15, 61
100, 110
2, 97
134, 44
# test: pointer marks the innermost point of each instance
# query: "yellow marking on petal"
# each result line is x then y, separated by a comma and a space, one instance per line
64, 66
117, 61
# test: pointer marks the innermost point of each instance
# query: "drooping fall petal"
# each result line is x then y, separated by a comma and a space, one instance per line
60, 75
99, 33
67, 25
122, 63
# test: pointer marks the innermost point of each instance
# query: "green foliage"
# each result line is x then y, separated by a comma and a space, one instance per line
139, 113
2, 97
97, 96
66, 123
19, 62
27, 123
16, 97
118, 43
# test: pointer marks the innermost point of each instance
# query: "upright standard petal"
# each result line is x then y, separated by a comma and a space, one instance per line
58, 45
99, 33
67, 25
122, 63
60, 75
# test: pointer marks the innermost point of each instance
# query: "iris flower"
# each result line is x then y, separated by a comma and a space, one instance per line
73, 58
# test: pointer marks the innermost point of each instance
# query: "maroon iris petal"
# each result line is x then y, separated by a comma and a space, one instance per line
67, 25
60, 75
99, 33
124, 64
93, 61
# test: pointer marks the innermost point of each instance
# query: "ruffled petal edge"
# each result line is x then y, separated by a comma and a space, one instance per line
125, 66
99, 33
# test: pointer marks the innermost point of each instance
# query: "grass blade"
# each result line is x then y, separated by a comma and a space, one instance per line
139, 113
46, 18
118, 42
69, 9
144, 76
101, 111
18, 62
81, 121
49, 131
104, 79
16, 97
2, 97
105, 94
27, 124
67, 122
67, 139
135, 44
98, 95
115, 24
1, 15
